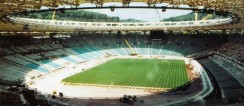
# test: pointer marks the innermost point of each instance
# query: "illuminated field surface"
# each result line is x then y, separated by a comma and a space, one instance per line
157, 73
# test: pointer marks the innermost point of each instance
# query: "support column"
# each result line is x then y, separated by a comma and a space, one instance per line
196, 16
54, 13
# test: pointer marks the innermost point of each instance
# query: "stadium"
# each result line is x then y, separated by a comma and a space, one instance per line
121, 52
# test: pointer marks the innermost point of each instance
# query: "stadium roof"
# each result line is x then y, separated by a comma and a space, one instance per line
10, 6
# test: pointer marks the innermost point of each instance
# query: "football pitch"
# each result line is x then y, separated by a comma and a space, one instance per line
157, 73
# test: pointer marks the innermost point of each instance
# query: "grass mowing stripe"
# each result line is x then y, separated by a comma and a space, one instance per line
142, 69
133, 77
164, 71
121, 80
157, 76
135, 72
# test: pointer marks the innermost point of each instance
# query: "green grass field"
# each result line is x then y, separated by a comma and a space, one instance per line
156, 73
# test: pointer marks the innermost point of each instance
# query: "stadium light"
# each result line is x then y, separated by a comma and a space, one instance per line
25, 13
209, 11
26, 27
62, 10
164, 8
112, 8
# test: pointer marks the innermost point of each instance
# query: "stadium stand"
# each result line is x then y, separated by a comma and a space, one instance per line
234, 47
8, 98
232, 67
47, 55
230, 88
43, 39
